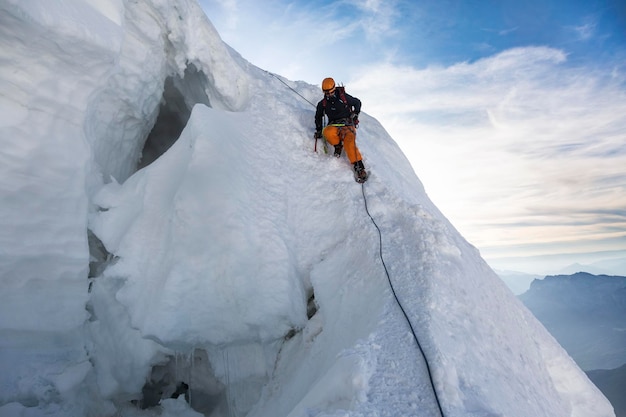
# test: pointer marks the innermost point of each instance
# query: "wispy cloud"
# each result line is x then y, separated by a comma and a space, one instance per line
307, 40
378, 18
517, 148
514, 148
505, 32
585, 31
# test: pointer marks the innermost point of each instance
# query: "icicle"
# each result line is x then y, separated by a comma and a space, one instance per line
191, 361
176, 377
227, 381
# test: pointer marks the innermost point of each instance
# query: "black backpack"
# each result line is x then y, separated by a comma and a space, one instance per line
342, 96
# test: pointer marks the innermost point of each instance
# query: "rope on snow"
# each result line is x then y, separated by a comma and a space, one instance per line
393, 291
289, 87
406, 316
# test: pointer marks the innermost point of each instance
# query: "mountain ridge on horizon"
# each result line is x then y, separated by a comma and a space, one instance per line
587, 325
585, 313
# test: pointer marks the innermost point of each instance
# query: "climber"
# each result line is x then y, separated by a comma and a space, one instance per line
343, 117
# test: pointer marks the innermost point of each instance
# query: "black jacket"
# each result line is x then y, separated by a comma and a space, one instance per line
336, 109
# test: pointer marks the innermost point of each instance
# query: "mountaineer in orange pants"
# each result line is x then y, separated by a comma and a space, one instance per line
343, 117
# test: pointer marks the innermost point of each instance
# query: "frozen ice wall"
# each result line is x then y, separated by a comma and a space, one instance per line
83, 85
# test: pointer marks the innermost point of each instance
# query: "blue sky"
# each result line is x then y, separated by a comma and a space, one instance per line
513, 113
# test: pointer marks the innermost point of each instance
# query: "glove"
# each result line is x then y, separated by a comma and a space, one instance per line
355, 119
318, 134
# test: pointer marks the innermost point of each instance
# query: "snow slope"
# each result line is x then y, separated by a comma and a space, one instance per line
199, 266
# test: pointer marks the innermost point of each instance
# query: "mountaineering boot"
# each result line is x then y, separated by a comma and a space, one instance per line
338, 149
360, 175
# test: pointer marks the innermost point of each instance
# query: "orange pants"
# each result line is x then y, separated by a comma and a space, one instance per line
346, 134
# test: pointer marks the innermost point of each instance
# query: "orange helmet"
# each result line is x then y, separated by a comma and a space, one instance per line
328, 84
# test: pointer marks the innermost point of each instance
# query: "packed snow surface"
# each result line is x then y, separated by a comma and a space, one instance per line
172, 245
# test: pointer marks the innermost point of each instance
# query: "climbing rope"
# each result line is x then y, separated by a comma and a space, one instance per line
380, 247
289, 87
393, 291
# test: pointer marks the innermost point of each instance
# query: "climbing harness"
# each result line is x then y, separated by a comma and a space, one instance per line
393, 291
406, 316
